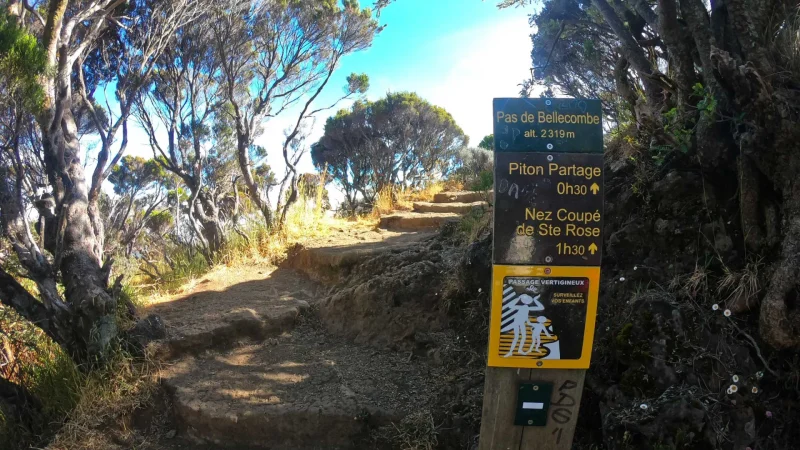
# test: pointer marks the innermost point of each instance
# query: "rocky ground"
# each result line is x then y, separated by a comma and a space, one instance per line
377, 338
346, 345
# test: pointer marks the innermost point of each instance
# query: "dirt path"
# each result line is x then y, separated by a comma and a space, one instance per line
231, 304
250, 365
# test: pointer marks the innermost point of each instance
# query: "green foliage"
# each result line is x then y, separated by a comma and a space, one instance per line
487, 143
264, 176
184, 264
674, 126
589, 48
474, 169
161, 221
398, 139
21, 60
134, 173
681, 129
473, 224
357, 83
483, 182
708, 103
574, 53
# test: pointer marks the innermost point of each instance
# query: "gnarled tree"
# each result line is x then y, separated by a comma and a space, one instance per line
182, 113
714, 85
67, 34
276, 58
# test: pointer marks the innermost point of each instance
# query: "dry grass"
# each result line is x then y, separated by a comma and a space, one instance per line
785, 42
305, 220
453, 185
692, 284
262, 247
415, 432
384, 202
745, 280
394, 198
742, 286
425, 194
697, 282
475, 224
368, 221
106, 396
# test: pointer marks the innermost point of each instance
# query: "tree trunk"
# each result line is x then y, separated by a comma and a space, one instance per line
750, 129
768, 143
21, 405
85, 281
292, 198
631, 50
208, 213
213, 234
243, 156
78, 240
680, 55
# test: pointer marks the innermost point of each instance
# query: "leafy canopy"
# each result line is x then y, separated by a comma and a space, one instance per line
21, 60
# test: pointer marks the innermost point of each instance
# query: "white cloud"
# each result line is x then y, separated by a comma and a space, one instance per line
491, 62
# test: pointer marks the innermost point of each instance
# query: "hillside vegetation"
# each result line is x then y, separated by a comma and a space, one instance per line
699, 322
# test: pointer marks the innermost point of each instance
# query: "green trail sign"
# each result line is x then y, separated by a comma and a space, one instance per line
548, 208
548, 231
548, 124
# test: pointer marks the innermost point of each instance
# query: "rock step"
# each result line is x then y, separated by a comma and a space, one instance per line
329, 264
460, 197
249, 310
304, 390
458, 208
415, 220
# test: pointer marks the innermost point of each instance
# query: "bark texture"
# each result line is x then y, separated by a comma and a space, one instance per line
744, 118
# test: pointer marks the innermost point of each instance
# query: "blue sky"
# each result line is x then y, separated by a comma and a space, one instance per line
458, 54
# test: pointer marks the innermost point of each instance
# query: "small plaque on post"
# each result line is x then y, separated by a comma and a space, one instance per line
533, 402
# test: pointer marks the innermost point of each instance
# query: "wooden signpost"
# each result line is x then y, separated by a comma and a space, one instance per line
548, 224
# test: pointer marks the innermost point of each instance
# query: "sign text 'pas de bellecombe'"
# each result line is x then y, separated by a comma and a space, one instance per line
538, 124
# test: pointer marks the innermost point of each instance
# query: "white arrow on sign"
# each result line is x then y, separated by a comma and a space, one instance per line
532, 405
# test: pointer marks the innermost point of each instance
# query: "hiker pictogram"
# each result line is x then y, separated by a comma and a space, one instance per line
537, 329
515, 336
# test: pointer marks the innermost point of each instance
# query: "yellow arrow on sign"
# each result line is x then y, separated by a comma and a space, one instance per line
593, 248
594, 187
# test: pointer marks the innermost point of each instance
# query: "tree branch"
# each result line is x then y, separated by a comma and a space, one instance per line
631, 49
13, 295
33, 11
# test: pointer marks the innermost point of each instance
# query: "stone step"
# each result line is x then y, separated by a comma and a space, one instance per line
304, 390
415, 220
254, 308
461, 197
330, 262
458, 208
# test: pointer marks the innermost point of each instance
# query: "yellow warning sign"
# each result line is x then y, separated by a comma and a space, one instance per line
543, 317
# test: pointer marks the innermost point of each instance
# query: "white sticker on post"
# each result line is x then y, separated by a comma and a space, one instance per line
532, 405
